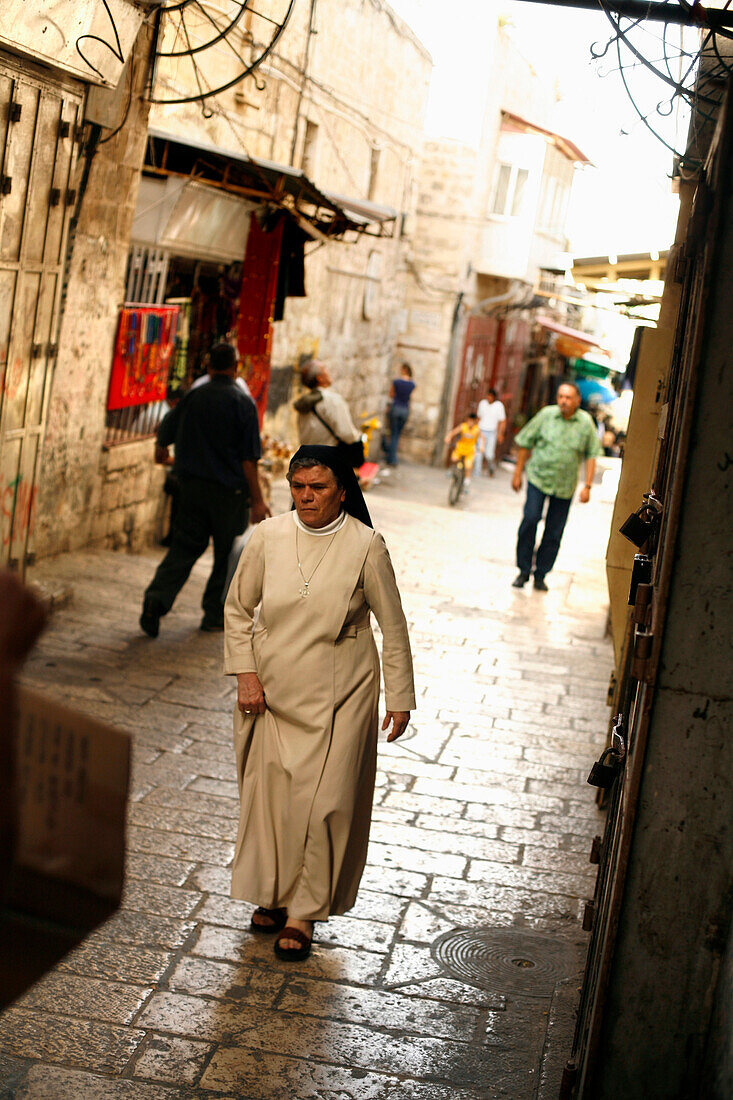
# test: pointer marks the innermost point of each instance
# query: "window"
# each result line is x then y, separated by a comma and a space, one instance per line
308, 159
509, 190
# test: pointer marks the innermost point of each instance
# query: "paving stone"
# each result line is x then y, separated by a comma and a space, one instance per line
336, 963
527, 878
165, 1058
214, 786
430, 863
388, 1011
407, 884
77, 1042
46, 1082
195, 802
420, 1057
113, 1002
180, 845
150, 928
211, 880
433, 840
170, 872
253, 1075
154, 898
422, 803
231, 981
116, 962
171, 819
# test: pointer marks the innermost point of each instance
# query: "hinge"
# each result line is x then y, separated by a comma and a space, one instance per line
64, 128
595, 850
37, 351
70, 196
54, 196
15, 110
6, 185
589, 916
52, 351
643, 643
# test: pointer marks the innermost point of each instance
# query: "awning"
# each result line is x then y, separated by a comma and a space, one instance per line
568, 148
265, 181
571, 333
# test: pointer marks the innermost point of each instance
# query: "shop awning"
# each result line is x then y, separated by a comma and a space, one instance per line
264, 181
571, 333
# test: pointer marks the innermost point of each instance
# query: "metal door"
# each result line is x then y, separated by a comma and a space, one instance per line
477, 367
633, 695
39, 121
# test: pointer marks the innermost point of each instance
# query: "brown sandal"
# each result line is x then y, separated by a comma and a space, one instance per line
293, 954
278, 918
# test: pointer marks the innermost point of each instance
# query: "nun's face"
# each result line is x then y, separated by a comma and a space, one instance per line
316, 495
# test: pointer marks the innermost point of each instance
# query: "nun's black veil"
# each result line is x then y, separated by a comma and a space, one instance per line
332, 457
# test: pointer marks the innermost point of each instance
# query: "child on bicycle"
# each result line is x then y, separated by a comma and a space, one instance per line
469, 438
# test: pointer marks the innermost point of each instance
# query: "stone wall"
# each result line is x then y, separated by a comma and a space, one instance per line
86, 494
365, 94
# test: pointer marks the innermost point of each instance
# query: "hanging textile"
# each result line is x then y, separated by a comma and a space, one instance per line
143, 349
256, 304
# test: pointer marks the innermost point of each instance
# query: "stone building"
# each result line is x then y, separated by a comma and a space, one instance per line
313, 134
488, 221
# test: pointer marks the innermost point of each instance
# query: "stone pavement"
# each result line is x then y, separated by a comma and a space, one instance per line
456, 976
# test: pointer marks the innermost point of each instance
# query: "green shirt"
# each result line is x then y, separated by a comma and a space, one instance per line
558, 447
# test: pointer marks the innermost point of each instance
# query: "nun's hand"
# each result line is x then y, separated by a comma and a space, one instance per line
400, 720
250, 696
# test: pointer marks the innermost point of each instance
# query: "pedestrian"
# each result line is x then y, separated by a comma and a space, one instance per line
468, 441
307, 720
217, 445
323, 415
558, 439
400, 392
492, 423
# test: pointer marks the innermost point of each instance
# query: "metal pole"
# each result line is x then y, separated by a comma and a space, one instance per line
694, 16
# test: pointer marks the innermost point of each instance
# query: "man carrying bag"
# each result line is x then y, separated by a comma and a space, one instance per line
323, 416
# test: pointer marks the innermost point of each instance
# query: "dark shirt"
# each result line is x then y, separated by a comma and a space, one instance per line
214, 430
402, 388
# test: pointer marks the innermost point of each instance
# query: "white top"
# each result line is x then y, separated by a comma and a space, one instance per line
490, 415
329, 529
204, 378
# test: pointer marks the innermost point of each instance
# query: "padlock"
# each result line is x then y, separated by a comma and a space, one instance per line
639, 527
641, 573
603, 774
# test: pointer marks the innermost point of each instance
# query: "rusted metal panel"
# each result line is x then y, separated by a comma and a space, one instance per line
37, 156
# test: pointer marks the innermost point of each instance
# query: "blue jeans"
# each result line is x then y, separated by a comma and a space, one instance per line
489, 452
555, 520
397, 420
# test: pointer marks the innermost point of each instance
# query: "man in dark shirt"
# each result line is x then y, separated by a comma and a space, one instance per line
217, 445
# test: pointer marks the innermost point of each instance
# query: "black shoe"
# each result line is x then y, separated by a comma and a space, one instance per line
212, 626
151, 616
539, 584
520, 580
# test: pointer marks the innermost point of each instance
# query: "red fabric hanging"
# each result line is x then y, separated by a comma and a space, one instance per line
256, 307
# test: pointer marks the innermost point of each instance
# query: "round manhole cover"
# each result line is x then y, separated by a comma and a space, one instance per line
505, 959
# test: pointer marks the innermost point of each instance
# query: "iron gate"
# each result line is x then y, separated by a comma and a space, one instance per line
39, 125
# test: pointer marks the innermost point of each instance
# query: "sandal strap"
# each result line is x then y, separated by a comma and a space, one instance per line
289, 933
269, 912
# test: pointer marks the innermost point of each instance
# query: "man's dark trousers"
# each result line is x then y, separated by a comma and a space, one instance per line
555, 520
206, 509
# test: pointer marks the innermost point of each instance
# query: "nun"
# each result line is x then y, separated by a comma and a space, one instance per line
299, 640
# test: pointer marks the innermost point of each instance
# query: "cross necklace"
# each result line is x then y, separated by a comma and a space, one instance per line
304, 591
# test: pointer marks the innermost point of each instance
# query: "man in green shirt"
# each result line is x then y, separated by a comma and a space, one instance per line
558, 438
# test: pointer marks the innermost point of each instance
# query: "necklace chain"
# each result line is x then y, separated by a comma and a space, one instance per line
304, 591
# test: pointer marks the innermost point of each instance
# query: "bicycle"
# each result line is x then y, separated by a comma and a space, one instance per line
457, 478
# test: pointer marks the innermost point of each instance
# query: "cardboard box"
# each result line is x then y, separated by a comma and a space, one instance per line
71, 778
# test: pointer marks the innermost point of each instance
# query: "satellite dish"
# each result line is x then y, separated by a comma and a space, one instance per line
204, 48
